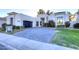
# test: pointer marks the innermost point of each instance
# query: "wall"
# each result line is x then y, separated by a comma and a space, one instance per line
1, 22
42, 16
19, 18
53, 17
16, 20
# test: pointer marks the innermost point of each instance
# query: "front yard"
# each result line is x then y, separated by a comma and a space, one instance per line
67, 38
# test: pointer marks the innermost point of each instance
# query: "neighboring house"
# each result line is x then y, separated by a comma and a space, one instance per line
59, 18
18, 19
2, 21
77, 16
43, 19
75, 19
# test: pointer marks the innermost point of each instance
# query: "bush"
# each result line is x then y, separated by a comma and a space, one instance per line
67, 23
17, 27
61, 26
4, 26
45, 25
76, 25
51, 24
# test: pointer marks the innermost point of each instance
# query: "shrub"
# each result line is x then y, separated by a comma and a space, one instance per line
51, 24
61, 26
76, 25
17, 27
4, 26
67, 23
45, 25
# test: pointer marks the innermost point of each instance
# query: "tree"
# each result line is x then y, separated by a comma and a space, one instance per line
4, 26
70, 15
48, 12
41, 11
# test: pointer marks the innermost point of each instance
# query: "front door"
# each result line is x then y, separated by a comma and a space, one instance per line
11, 21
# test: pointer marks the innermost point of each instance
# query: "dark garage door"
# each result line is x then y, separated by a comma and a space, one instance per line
27, 24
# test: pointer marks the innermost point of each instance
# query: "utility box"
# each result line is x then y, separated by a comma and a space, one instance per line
9, 28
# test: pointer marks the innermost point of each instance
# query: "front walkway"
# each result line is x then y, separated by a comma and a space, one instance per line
38, 34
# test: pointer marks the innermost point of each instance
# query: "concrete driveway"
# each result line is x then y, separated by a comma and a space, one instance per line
38, 34
9, 42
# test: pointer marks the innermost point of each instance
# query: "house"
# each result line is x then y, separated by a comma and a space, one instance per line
18, 19
77, 16
59, 18
43, 19
2, 21
75, 19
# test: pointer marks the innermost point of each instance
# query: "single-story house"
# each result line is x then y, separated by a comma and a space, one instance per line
18, 19
59, 18
43, 19
75, 19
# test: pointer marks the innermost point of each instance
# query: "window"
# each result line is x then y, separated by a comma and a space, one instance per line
37, 23
11, 21
40, 22
43, 19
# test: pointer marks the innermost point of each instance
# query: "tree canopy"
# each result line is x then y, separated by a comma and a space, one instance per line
41, 11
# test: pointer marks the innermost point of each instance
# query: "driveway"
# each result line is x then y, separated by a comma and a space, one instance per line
38, 34
9, 42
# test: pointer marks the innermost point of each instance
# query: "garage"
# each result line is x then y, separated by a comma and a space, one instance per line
27, 24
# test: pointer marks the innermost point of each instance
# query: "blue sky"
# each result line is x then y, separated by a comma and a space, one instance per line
31, 12
3, 12
30, 7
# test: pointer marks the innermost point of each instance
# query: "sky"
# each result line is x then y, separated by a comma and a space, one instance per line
31, 7
31, 12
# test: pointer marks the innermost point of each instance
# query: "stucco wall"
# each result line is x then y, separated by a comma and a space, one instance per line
1, 22
19, 18
16, 20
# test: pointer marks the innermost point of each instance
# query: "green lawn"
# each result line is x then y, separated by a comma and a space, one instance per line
67, 38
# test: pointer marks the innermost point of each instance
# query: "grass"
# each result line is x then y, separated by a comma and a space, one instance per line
67, 38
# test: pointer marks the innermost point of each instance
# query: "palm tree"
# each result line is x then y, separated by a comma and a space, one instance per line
41, 11
48, 13
70, 15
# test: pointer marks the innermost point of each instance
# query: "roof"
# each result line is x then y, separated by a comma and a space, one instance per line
27, 16
59, 13
12, 13
22, 15
2, 18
